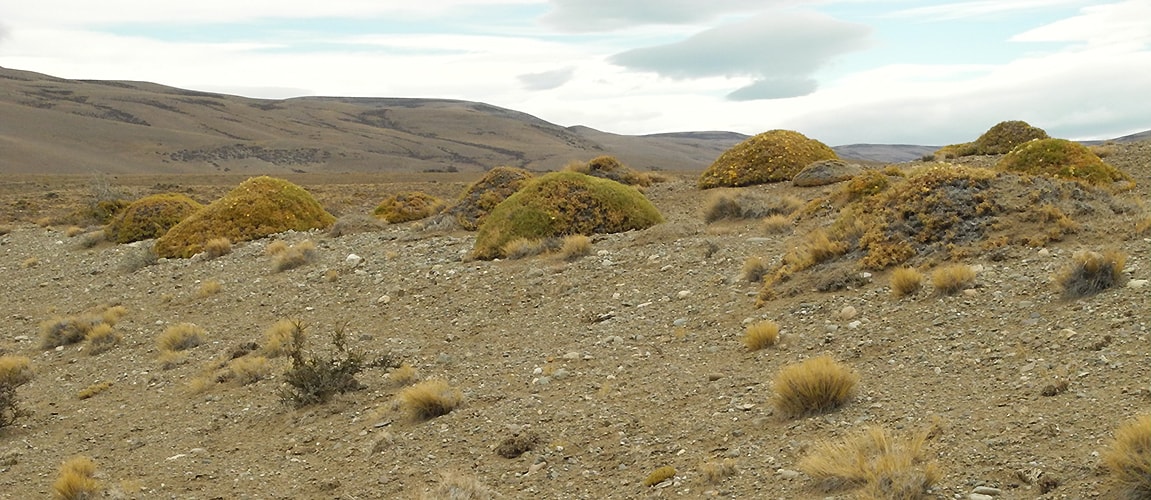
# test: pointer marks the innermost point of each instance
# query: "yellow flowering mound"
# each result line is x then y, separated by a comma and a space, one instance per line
773, 156
258, 207
150, 217
481, 197
1061, 159
408, 206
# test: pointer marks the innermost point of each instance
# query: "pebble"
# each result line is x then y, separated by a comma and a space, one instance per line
987, 490
787, 473
1043, 252
1136, 283
979, 496
854, 324
683, 294
847, 313
572, 355
353, 260
679, 322
384, 299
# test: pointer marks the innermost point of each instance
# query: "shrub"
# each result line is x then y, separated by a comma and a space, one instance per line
607, 167
180, 337
209, 288
217, 247
315, 378
561, 204
753, 270
1061, 159
76, 480
514, 446
814, 386
1128, 457
950, 279
574, 247
150, 217
760, 335
659, 475
429, 399
773, 156
67, 330
408, 206
403, 375
883, 466
867, 183
1091, 272
258, 207
905, 281
15, 371
101, 338
295, 256
482, 196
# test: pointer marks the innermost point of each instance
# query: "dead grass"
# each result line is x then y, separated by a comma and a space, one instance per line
180, 337
883, 466
1128, 457
575, 246
275, 248
217, 247
754, 269
93, 389
905, 281
209, 288
101, 338
15, 371
522, 248
716, 471
760, 335
30, 262
429, 399
76, 481
295, 256
777, 224
952, 278
402, 376
813, 386
247, 370
1091, 272
659, 475
280, 338
455, 486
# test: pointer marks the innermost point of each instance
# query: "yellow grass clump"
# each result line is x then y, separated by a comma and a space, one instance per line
952, 278
295, 256
760, 335
884, 467
209, 288
408, 206
715, 471
217, 247
813, 386
574, 247
76, 480
1091, 272
402, 376
180, 337
429, 399
1128, 457
905, 281
753, 270
283, 337
93, 389
101, 338
659, 475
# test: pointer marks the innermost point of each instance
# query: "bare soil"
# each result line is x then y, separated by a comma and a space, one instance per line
622, 362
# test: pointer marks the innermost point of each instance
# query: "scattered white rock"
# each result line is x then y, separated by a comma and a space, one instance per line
847, 312
788, 473
353, 260
384, 299
1136, 283
854, 324
683, 294
978, 496
987, 490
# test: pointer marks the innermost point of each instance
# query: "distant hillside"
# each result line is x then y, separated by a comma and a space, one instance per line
883, 153
54, 125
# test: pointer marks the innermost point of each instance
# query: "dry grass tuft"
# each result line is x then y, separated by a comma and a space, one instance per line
522, 248
30, 262
715, 471
952, 278
905, 281
460, 487
777, 224
574, 247
15, 371
217, 247
101, 338
814, 386
659, 475
883, 466
247, 370
754, 269
93, 389
429, 399
209, 288
402, 376
281, 337
62, 331
76, 481
1091, 272
295, 256
1128, 457
180, 337
275, 248
760, 335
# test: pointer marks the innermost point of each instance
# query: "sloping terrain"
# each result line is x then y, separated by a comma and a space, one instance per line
621, 362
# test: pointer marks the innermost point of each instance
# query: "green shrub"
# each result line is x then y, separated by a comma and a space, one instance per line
408, 206
315, 378
150, 217
258, 207
482, 196
1061, 159
772, 156
561, 204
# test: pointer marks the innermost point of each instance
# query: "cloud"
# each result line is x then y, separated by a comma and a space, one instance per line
608, 15
975, 9
781, 50
1118, 23
546, 80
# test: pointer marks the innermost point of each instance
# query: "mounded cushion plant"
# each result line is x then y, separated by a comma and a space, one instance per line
482, 196
150, 217
258, 207
408, 206
999, 139
561, 204
773, 156
1061, 159
608, 167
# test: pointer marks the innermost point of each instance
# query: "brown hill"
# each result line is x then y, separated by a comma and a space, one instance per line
54, 125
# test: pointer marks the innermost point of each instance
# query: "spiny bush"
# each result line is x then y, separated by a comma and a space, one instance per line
15, 371
905, 281
773, 156
150, 217
429, 399
483, 195
884, 466
761, 334
952, 278
180, 337
1128, 457
1061, 159
258, 207
408, 206
561, 204
608, 167
659, 475
999, 139
77, 480
813, 386
1091, 272
314, 378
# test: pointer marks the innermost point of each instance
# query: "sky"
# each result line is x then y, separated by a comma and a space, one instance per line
842, 72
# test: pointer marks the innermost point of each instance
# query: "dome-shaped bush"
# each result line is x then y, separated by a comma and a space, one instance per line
483, 195
999, 139
150, 217
772, 156
561, 204
408, 206
1061, 159
608, 167
258, 207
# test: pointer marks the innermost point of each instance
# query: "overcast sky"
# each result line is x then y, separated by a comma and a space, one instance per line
848, 71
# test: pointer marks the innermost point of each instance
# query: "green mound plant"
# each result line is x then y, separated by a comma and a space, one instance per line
150, 217
1061, 159
561, 204
483, 195
258, 207
608, 167
999, 139
773, 156
408, 206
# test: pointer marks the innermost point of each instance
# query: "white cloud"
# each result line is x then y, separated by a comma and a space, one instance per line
1126, 23
546, 80
974, 9
607, 15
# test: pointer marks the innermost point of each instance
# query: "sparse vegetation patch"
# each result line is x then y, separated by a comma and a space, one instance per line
1061, 159
883, 465
1128, 458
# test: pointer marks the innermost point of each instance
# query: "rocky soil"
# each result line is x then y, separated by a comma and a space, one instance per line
621, 362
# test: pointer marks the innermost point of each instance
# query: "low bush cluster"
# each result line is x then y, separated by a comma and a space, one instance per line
408, 206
